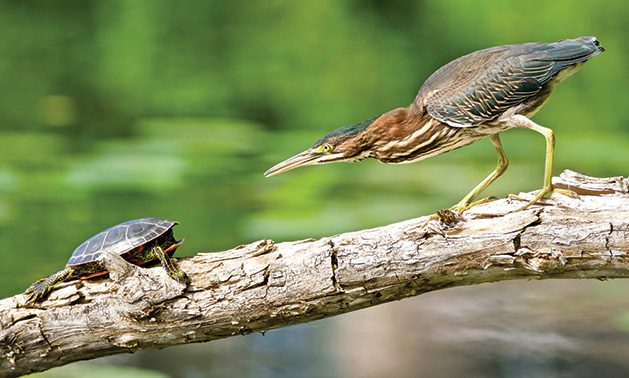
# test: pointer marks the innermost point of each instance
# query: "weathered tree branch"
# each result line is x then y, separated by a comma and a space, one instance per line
262, 286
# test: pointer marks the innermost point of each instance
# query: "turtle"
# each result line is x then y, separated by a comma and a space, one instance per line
138, 241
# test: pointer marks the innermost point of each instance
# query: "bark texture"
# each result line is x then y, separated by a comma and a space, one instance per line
263, 285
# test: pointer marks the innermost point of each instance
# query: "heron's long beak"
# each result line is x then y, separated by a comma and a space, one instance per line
301, 160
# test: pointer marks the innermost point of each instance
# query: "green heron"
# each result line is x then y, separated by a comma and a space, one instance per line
470, 98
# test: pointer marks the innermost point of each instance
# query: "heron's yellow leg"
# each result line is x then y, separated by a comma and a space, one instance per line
525, 123
501, 167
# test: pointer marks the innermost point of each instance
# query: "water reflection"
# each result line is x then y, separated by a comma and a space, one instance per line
513, 329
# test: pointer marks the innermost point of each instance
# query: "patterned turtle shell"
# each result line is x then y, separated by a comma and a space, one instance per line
128, 239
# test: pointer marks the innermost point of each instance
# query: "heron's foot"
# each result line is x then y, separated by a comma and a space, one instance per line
452, 216
446, 217
518, 198
541, 194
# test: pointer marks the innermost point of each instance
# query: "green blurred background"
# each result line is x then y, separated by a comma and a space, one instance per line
115, 110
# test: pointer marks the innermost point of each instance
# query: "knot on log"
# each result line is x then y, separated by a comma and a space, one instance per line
137, 287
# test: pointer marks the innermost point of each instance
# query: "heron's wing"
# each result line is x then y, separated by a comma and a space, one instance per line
479, 87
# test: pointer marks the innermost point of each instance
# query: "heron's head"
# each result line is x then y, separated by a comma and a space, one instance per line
349, 143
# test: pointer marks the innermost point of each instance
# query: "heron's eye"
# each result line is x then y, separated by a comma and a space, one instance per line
325, 148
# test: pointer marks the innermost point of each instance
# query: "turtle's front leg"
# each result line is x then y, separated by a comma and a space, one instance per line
174, 272
40, 288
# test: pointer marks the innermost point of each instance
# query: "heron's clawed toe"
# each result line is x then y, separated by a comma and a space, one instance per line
541, 193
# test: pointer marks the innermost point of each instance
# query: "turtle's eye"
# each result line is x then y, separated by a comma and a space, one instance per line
325, 148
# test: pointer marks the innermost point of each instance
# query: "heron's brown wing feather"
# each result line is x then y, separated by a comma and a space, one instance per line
481, 86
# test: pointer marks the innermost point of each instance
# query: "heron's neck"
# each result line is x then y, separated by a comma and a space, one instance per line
398, 125
406, 136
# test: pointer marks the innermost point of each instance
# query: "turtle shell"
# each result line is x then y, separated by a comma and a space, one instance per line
129, 239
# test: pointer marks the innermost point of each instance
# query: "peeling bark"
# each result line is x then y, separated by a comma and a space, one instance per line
263, 285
